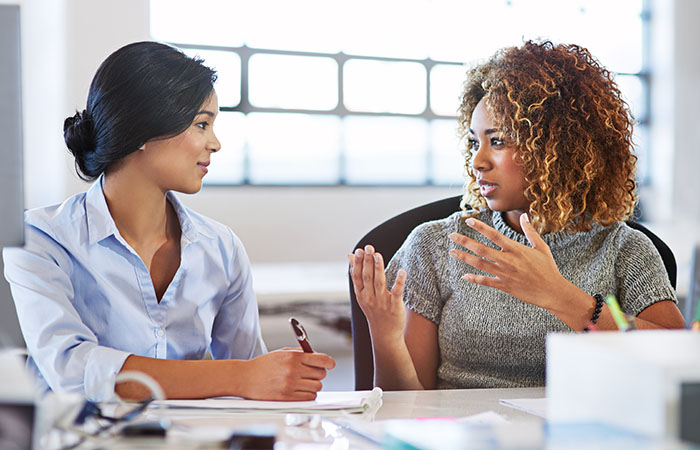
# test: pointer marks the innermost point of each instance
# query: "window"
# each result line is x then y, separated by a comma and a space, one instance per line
326, 92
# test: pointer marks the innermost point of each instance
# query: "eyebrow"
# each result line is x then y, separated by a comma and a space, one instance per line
209, 113
487, 132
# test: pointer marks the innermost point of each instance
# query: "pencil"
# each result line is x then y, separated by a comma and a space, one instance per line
617, 313
695, 325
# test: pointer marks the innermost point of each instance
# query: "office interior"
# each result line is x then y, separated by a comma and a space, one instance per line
64, 41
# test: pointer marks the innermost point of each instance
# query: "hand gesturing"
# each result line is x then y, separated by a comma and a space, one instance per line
527, 273
383, 308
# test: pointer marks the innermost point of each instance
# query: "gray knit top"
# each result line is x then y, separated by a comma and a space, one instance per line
489, 339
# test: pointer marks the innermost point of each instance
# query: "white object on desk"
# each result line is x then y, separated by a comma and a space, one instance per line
631, 380
536, 406
326, 403
17, 385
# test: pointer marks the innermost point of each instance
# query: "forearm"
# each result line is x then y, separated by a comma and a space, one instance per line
185, 379
393, 367
578, 309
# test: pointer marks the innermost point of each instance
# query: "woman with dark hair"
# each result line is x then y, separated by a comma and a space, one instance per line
550, 183
124, 277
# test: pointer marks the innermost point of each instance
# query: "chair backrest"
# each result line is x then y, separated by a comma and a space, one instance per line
387, 239
663, 249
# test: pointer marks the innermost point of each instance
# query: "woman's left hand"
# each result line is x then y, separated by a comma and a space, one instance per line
527, 273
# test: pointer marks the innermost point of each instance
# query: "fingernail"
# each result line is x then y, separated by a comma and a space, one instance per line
525, 217
358, 252
376, 257
471, 222
453, 237
453, 252
467, 277
368, 249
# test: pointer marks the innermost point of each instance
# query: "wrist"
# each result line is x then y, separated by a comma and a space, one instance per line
572, 305
384, 341
230, 377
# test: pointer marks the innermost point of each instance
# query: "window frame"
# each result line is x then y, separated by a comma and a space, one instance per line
245, 107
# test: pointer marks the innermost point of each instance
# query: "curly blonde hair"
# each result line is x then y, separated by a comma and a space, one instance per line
571, 129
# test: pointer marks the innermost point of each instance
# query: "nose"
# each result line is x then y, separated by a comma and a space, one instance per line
214, 144
480, 160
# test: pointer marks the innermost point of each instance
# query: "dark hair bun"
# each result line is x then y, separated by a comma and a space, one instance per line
79, 134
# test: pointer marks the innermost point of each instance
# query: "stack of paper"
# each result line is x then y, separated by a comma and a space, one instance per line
326, 403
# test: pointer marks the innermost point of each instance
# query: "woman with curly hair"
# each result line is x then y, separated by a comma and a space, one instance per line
540, 242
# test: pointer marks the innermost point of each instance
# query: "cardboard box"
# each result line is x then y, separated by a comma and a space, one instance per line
631, 380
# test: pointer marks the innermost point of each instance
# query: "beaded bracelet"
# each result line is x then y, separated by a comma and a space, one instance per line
598, 308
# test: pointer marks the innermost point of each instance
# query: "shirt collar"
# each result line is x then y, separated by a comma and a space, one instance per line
101, 225
190, 228
553, 240
99, 220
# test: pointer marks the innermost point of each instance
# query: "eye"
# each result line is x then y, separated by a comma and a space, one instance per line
203, 125
496, 142
472, 144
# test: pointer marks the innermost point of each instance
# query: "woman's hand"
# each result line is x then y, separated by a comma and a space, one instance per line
286, 374
384, 309
527, 273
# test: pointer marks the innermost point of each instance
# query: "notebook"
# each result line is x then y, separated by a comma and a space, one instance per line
326, 403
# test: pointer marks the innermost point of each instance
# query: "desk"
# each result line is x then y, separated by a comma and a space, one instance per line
454, 403
396, 405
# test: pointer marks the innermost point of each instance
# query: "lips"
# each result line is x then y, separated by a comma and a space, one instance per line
487, 187
203, 166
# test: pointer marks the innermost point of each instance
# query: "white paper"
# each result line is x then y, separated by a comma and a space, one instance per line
326, 401
536, 406
484, 418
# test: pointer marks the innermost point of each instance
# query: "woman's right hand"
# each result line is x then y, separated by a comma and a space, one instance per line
287, 374
384, 309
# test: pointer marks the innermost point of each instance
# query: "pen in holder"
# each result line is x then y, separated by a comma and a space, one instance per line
622, 320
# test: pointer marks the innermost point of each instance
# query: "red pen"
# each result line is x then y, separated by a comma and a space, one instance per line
300, 333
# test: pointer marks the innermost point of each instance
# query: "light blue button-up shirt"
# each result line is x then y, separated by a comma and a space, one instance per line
85, 299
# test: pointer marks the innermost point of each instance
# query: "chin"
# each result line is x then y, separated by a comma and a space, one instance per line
495, 206
189, 189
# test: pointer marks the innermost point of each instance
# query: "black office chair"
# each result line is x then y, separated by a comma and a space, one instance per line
388, 237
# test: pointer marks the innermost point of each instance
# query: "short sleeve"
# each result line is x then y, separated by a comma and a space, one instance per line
423, 256
641, 275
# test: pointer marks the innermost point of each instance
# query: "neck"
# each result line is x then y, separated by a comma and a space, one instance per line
139, 208
512, 218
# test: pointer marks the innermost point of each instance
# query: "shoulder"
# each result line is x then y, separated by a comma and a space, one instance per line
60, 221
52, 233
619, 244
623, 236
212, 236
209, 226
213, 230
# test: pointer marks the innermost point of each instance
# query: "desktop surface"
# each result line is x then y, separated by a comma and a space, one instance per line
406, 414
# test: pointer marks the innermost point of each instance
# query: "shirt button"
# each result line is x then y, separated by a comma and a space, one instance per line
161, 333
